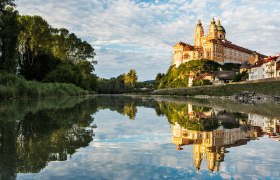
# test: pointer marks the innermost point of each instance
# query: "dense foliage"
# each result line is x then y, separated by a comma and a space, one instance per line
34, 133
179, 77
8, 36
122, 84
32, 48
54, 55
241, 76
201, 82
130, 78
13, 86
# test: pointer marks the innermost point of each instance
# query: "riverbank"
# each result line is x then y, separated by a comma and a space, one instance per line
261, 92
14, 87
265, 88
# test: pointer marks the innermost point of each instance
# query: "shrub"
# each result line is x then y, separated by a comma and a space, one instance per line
201, 82
13, 86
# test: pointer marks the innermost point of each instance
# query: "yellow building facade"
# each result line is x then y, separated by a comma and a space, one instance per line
213, 46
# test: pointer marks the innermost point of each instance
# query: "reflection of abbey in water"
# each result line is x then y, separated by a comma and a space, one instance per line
208, 145
234, 129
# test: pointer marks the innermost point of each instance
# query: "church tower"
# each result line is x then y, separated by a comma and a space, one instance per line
221, 31
198, 34
213, 31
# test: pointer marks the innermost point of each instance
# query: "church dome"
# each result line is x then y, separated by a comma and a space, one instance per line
220, 27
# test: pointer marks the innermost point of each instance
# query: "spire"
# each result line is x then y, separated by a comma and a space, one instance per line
199, 22
213, 21
198, 33
221, 30
212, 30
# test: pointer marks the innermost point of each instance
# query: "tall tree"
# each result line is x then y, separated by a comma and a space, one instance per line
34, 42
68, 47
42, 48
130, 78
8, 36
5, 3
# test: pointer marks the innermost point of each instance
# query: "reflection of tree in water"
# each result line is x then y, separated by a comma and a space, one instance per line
7, 150
48, 134
122, 104
197, 117
130, 110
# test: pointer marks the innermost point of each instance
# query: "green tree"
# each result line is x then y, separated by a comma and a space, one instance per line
65, 73
34, 43
158, 79
5, 3
179, 77
42, 49
68, 47
8, 36
130, 78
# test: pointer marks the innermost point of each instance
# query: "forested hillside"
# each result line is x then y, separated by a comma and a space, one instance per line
179, 77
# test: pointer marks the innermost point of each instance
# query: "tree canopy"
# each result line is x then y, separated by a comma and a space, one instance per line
121, 84
8, 36
130, 78
42, 48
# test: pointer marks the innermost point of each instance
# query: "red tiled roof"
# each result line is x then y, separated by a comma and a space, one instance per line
239, 48
180, 43
265, 60
186, 46
271, 58
236, 47
189, 47
258, 64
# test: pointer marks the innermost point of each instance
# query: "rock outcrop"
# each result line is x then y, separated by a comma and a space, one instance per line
253, 98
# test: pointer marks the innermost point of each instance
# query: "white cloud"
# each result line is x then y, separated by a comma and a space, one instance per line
141, 34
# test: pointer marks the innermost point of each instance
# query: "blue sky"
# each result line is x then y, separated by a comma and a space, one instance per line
139, 34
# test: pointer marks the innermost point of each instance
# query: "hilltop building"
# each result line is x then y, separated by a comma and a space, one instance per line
213, 46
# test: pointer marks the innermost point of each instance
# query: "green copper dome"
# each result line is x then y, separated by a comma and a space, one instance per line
220, 27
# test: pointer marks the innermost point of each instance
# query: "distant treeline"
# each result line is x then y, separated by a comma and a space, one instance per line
124, 83
33, 49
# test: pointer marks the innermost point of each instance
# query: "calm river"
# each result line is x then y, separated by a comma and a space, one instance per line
119, 137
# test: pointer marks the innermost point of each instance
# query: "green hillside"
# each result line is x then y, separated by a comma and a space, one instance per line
178, 77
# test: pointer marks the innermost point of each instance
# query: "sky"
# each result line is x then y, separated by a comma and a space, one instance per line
139, 34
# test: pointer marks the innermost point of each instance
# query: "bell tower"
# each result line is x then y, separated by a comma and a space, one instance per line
213, 31
221, 30
198, 34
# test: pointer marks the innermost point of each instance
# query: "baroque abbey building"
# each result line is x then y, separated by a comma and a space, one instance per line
213, 46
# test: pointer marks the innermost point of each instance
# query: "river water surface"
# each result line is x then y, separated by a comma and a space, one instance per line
119, 137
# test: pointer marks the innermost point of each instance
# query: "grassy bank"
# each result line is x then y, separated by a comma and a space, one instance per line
13, 86
267, 88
